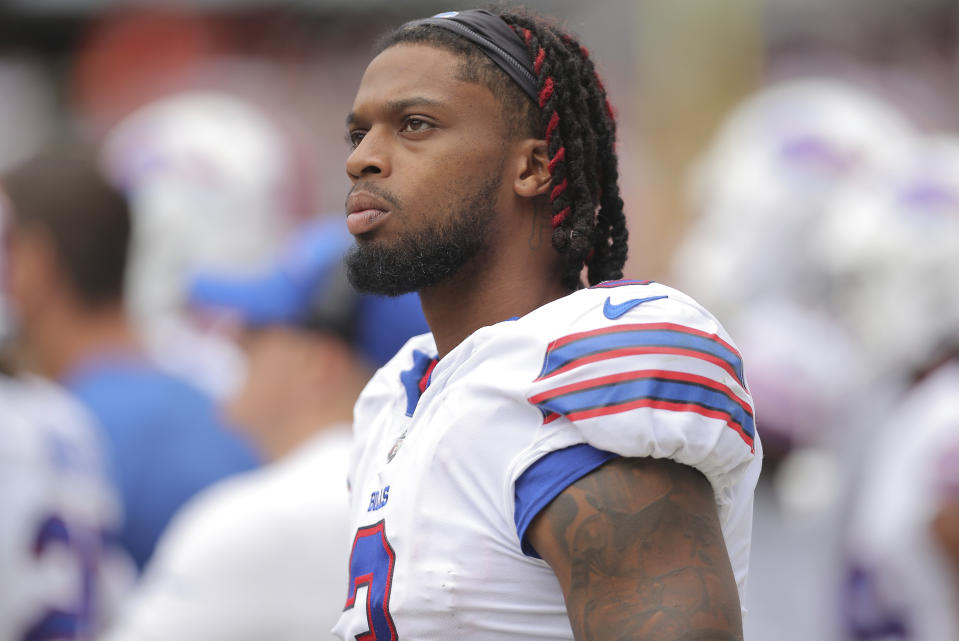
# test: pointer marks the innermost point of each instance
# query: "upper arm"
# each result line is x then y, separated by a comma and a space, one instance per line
639, 552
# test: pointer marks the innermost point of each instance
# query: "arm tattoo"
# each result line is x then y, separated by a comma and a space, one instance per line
639, 552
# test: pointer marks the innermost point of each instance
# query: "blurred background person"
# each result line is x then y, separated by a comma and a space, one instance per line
62, 576
215, 182
892, 253
262, 556
831, 301
68, 255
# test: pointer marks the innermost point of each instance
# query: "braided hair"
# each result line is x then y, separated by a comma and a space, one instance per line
575, 118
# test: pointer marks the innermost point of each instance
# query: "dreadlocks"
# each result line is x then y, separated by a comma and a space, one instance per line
575, 118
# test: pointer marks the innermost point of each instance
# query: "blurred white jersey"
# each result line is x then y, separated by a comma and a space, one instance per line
453, 459
257, 557
899, 583
59, 576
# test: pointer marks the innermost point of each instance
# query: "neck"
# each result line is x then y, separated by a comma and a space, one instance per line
494, 287
315, 416
60, 341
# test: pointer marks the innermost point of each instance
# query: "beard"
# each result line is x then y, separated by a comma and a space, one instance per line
427, 256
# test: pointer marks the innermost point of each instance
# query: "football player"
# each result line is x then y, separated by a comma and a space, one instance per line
62, 572
553, 461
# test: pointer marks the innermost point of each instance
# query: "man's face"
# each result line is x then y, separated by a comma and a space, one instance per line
427, 170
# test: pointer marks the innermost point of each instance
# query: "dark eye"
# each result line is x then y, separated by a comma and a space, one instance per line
413, 125
354, 138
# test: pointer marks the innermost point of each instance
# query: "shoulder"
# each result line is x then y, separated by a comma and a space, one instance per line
643, 370
247, 507
601, 327
123, 389
624, 306
57, 426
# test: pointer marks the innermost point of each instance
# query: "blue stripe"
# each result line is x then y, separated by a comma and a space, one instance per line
411, 379
545, 479
561, 356
652, 388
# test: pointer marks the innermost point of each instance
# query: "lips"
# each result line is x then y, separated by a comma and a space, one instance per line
364, 212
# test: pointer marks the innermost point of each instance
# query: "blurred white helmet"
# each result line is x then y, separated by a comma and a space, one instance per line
757, 193
892, 256
214, 183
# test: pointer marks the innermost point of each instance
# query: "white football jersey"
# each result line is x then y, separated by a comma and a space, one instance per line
899, 584
59, 575
454, 458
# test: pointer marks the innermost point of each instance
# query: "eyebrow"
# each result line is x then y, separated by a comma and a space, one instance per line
395, 106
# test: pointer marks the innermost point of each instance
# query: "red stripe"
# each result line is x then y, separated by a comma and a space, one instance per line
551, 127
538, 63
560, 217
621, 377
527, 34
615, 329
546, 91
558, 158
557, 190
664, 405
425, 379
640, 350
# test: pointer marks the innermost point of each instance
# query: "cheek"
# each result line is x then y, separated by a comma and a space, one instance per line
450, 177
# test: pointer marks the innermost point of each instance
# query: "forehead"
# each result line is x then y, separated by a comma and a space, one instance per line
420, 70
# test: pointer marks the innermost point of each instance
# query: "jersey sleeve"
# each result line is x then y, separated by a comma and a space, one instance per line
661, 379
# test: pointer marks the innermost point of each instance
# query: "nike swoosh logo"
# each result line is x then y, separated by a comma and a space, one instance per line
613, 312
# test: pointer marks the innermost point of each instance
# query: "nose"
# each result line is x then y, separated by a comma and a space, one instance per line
368, 158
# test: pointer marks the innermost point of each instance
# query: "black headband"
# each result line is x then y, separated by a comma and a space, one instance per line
497, 40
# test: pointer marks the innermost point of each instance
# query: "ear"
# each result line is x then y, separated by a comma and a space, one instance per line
532, 176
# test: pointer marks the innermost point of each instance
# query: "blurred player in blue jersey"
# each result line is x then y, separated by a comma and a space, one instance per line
69, 249
553, 461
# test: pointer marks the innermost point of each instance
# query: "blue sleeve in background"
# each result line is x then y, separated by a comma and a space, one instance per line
165, 442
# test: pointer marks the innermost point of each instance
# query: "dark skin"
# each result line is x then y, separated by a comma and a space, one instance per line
639, 553
636, 544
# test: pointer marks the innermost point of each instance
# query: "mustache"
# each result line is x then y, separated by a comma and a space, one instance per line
373, 190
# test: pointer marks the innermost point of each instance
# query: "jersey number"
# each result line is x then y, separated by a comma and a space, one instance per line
66, 623
371, 564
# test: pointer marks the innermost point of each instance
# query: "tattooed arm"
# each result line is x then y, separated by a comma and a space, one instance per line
639, 553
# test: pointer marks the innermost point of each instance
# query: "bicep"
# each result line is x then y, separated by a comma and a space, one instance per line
639, 552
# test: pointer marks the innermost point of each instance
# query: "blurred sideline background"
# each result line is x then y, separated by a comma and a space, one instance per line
754, 199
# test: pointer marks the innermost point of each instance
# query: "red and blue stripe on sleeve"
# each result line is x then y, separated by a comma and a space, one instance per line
657, 388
